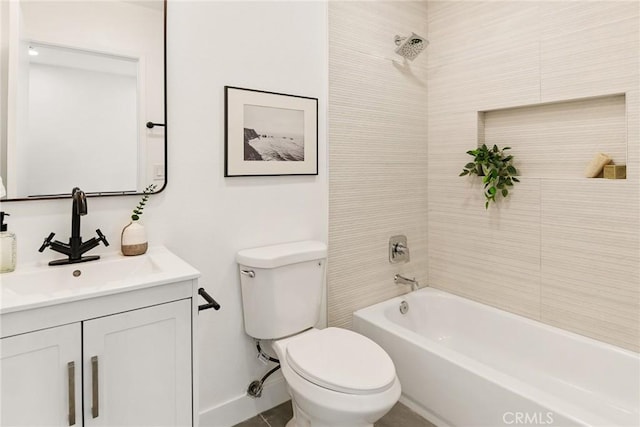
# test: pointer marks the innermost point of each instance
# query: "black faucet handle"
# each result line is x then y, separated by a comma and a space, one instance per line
101, 237
47, 242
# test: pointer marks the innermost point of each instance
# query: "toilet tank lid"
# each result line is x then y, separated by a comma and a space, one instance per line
283, 254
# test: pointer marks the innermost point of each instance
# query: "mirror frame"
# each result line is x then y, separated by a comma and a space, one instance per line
122, 193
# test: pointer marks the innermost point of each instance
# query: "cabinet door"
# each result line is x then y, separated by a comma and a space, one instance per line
137, 367
41, 379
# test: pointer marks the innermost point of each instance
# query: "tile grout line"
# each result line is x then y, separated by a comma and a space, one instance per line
264, 419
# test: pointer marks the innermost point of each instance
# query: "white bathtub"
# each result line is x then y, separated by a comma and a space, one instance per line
464, 364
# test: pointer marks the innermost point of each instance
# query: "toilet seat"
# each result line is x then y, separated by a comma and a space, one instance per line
341, 360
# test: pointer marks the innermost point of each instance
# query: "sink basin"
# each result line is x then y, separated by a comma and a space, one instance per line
37, 285
67, 278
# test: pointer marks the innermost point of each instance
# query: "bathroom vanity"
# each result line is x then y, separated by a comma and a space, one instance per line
105, 343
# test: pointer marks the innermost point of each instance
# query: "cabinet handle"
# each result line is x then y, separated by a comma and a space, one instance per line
71, 371
94, 387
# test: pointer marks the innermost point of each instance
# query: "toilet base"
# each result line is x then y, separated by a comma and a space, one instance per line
292, 423
300, 419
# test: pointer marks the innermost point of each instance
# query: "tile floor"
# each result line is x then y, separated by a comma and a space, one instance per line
398, 416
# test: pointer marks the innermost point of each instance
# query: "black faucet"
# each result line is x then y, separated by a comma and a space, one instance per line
75, 248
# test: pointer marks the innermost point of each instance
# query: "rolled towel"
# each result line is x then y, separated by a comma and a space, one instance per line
596, 165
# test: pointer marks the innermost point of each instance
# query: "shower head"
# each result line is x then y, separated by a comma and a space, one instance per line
410, 47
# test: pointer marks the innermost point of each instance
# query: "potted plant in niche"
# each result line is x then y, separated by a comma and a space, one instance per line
496, 169
133, 240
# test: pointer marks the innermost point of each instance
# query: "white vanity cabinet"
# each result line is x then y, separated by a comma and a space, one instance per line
40, 374
137, 367
123, 356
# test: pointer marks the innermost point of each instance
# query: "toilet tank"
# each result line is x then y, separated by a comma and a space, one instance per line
281, 287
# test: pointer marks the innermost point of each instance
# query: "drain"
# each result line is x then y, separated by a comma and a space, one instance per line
77, 273
404, 307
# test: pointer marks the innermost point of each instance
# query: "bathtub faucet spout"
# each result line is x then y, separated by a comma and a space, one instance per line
401, 280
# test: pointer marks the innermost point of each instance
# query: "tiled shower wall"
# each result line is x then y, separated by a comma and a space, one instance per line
377, 152
561, 249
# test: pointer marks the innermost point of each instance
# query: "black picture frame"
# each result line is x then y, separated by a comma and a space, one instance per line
269, 133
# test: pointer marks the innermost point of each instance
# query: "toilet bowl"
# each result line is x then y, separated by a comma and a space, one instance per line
336, 378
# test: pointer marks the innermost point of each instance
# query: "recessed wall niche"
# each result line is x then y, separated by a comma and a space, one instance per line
557, 140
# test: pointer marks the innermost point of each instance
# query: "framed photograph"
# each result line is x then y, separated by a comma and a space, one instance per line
268, 133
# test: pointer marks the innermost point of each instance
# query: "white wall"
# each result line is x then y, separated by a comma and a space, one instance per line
202, 216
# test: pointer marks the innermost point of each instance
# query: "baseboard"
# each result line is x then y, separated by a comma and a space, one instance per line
243, 407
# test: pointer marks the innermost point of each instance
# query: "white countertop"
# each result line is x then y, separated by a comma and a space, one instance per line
39, 285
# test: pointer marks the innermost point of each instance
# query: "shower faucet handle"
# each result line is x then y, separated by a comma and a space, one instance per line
398, 249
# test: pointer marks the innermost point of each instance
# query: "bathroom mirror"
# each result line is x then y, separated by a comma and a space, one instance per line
83, 97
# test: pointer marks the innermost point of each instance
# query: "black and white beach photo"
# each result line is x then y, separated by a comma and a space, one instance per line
270, 133
273, 134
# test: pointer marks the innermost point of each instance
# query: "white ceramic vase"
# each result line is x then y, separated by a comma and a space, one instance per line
133, 240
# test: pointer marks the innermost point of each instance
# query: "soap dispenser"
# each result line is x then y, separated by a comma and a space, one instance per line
7, 247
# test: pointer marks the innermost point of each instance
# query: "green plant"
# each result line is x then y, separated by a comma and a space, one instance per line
138, 210
495, 167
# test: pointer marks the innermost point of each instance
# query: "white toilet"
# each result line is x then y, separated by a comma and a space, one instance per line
336, 377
